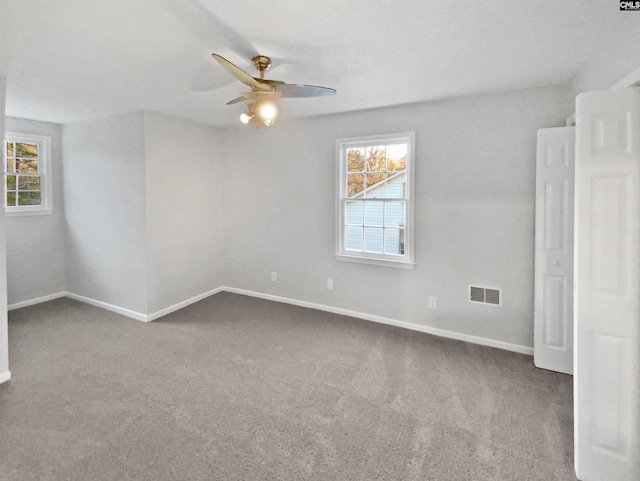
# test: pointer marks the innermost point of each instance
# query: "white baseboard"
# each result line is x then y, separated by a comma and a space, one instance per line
117, 309
180, 305
37, 300
109, 307
5, 376
392, 322
286, 300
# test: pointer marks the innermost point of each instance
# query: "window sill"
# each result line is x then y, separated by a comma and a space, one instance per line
20, 213
375, 262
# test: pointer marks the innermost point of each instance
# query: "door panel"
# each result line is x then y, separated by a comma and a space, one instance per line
553, 306
607, 289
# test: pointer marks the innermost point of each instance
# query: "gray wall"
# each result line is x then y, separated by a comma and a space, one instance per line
184, 209
104, 191
615, 57
159, 210
4, 338
475, 178
275, 208
35, 243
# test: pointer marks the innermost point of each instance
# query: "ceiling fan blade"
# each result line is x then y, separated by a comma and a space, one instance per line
255, 97
237, 100
240, 74
298, 91
271, 83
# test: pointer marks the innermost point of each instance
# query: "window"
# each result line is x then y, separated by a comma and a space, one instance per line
375, 200
27, 174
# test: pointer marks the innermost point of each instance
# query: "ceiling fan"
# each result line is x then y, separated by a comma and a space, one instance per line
264, 93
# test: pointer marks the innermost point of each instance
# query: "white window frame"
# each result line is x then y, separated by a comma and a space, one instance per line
405, 261
44, 170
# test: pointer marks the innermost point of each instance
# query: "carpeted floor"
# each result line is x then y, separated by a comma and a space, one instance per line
237, 388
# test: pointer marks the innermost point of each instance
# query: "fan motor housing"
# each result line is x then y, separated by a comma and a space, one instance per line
261, 62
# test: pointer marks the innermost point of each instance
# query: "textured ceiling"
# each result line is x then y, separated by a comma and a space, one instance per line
69, 60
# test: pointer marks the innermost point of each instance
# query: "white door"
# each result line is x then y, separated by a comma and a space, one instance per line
553, 305
607, 295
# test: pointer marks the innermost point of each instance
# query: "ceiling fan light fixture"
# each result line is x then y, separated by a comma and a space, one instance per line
263, 110
267, 112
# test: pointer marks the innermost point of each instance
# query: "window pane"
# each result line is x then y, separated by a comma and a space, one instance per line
373, 213
11, 182
375, 159
28, 198
28, 182
375, 185
355, 160
9, 149
353, 238
394, 214
396, 157
10, 165
392, 241
373, 239
11, 198
27, 166
26, 150
355, 184
396, 182
353, 214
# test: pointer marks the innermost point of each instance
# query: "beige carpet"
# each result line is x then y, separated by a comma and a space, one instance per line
236, 388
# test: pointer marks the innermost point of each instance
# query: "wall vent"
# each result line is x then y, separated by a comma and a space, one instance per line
485, 295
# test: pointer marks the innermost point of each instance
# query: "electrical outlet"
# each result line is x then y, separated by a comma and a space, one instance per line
274, 276
329, 283
433, 302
